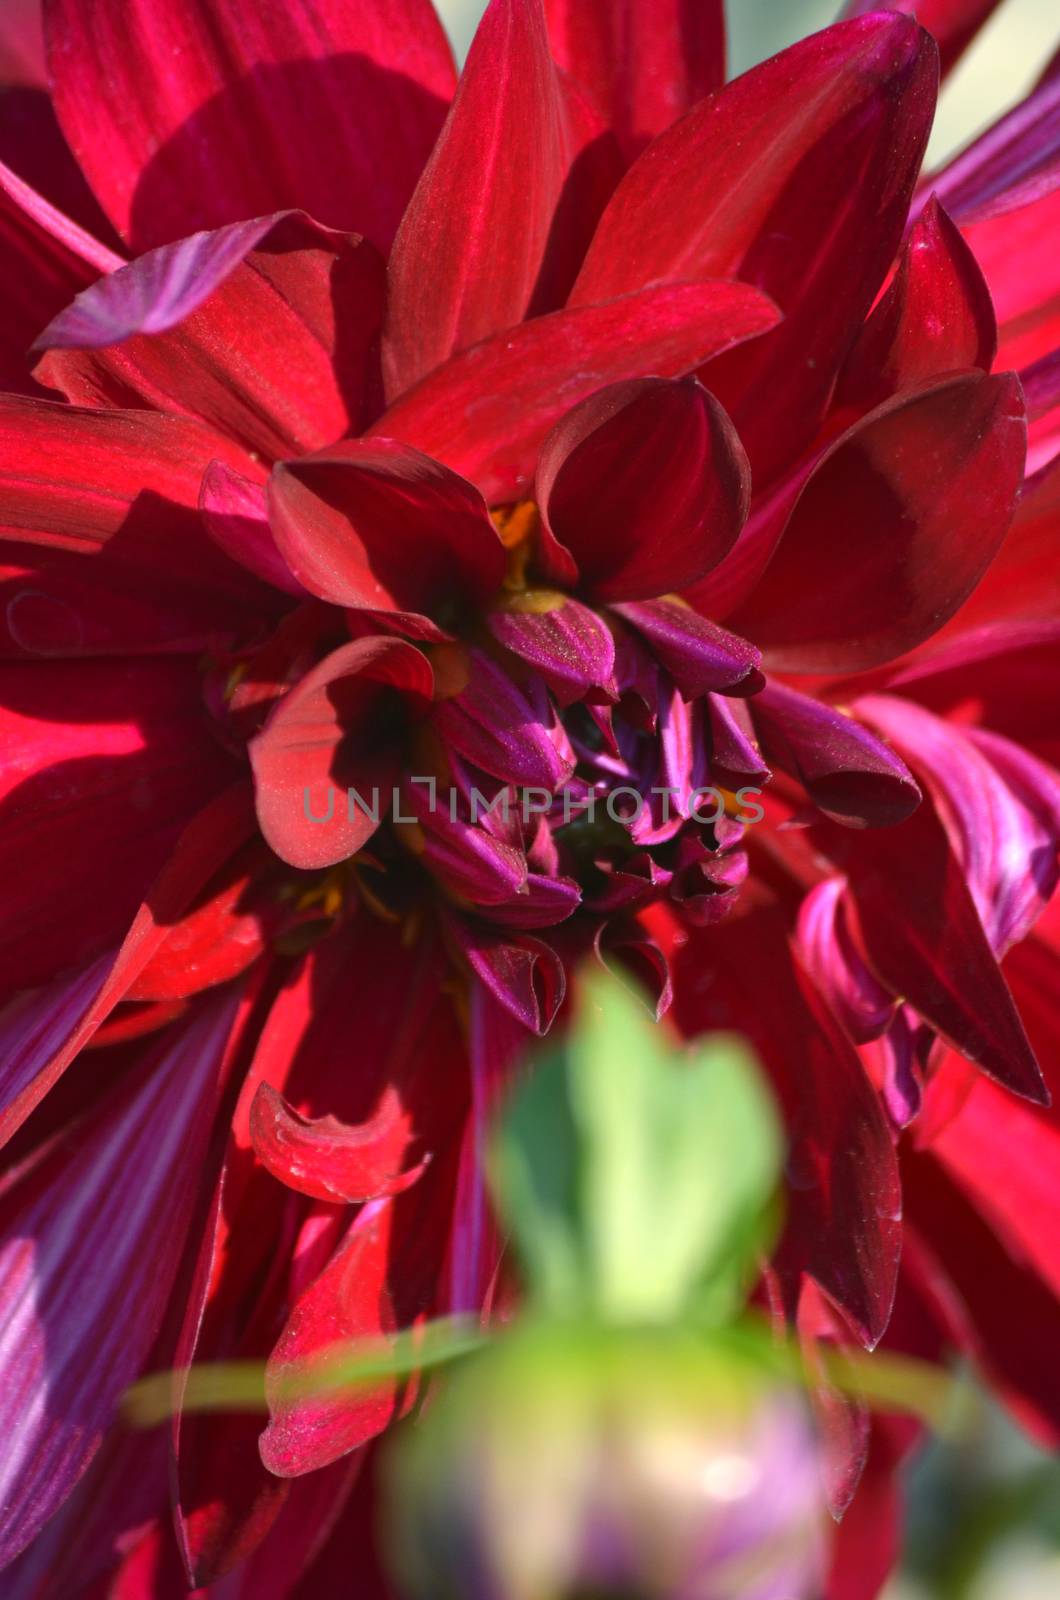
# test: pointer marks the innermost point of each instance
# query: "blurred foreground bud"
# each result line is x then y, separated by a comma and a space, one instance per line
602, 1464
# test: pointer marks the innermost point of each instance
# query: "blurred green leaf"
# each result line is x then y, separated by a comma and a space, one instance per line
638, 1175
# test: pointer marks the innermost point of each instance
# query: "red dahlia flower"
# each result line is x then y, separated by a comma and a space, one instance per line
581, 510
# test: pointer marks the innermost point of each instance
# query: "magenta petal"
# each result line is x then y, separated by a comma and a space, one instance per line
935, 317
336, 731
485, 412
525, 975
916, 922
735, 754
893, 529
235, 514
78, 1314
645, 62
858, 998
542, 903
492, 723
1014, 163
851, 774
206, 326
697, 654
569, 645
472, 862
36, 1023
954, 23
330, 1159
375, 524
483, 213
194, 116
643, 488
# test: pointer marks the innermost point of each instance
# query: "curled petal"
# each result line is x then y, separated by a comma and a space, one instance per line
486, 411
643, 488
851, 774
567, 643
374, 524
523, 974
935, 317
697, 654
492, 722
324, 738
893, 529
330, 1159
858, 998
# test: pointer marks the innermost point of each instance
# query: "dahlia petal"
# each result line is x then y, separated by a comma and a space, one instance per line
643, 63
327, 1158
483, 213
627, 948
37, 1056
796, 176
486, 411
697, 654
471, 861
1013, 163
235, 513
1014, 250
935, 317
930, 484
542, 903
212, 325
115, 754
844, 1199
321, 739
22, 44
1001, 808
383, 1277
375, 524
78, 1314
523, 974
37, 1022
643, 488
914, 919
843, 1421
848, 772
954, 23
196, 117
735, 755
492, 723
859, 1000
569, 645
125, 564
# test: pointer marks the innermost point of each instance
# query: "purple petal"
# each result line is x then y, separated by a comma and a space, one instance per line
156, 291
860, 1001
847, 771
543, 902
471, 861
697, 654
492, 722
524, 975
1011, 164
735, 758
569, 645
90, 1245
235, 515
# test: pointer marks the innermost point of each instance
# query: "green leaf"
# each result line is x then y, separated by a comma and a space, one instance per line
638, 1175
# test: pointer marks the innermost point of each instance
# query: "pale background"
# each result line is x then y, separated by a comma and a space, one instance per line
1004, 61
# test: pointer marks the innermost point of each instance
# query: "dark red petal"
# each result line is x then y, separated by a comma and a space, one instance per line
915, 921
849, 772
374, 523
194, 116
41, 1047
486, 411
954, 23
336, 730
477, 237
125, 564
78, 1312
496, 724
796, 177
893, 529
523, 974
844, 1200
935, 317
643, 488
238, 327
644, 62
